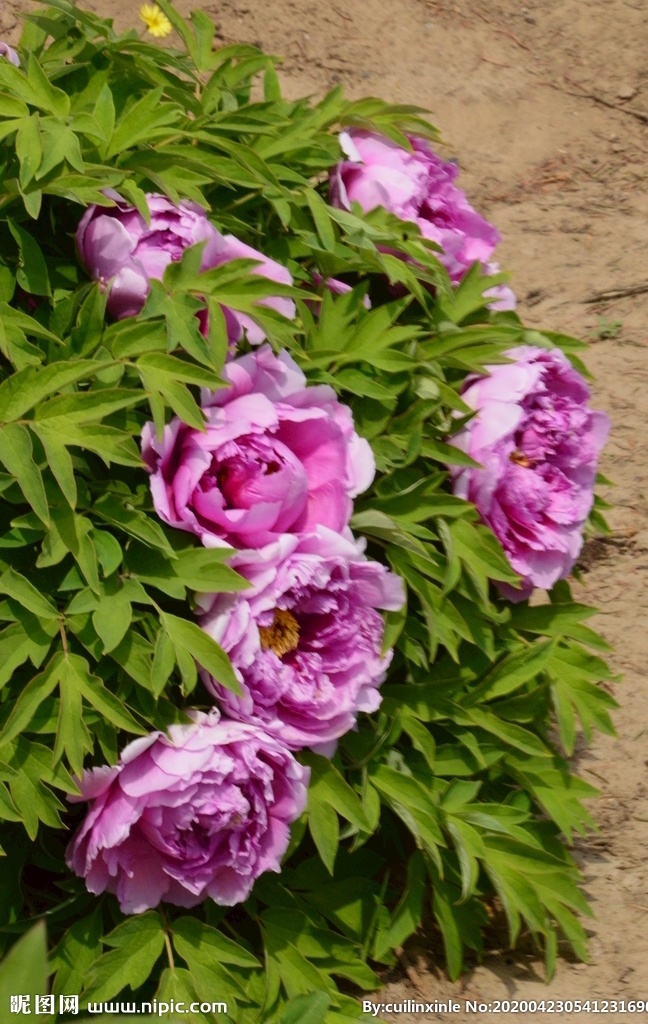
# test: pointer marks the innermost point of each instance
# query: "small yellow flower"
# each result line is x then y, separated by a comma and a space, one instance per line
155, 20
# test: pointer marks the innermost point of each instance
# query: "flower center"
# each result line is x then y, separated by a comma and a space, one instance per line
520, 459
283, 635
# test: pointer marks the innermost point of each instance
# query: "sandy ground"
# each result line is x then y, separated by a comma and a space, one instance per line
546, 108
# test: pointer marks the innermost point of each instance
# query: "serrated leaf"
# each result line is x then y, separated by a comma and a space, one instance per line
96, 693
32, 696
45, 94
112, 619
23, 390
511, 672
120, 513
177, 985
16, 453
187, 636
17, 645
208, 945
35, 802
137, 943
72, 735
20, 589
109, 443
86, 406
146, 114
79, 947
59, 143
329, 786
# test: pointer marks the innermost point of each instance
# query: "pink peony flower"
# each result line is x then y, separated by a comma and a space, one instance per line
122, 251
197, 814
305, 640
10, 54
538, 445
276, 457
418, 186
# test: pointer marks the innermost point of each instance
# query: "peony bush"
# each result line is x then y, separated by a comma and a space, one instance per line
281, 470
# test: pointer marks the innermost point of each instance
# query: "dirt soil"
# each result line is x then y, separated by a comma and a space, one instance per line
546, 108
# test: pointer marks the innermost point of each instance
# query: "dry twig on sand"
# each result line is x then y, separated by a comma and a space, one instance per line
617, 293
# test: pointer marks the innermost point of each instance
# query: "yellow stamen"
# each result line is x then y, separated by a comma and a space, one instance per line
283, 635
155, 20
520, 459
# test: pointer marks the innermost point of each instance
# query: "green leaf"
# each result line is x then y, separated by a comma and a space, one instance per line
164, 661
203, 570
72, 735
45, 94
112, 619
73, 531
207, 945
32, 797
442, 905
511, 672
311, 1008
24, 969
177, 985
86, 406
16, 453
17, 586
421, 737
77, 950
108, 550
110, 443
324, 827
96, 693
187, 636
32, 269
32, 696
59, 460
17, 644
134, 654
321, 216
469, 848
120, 513
137, 943
139, 120
23, 390
104, 112
29, 148
59, 144
407, 915
409, 798
328, 786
